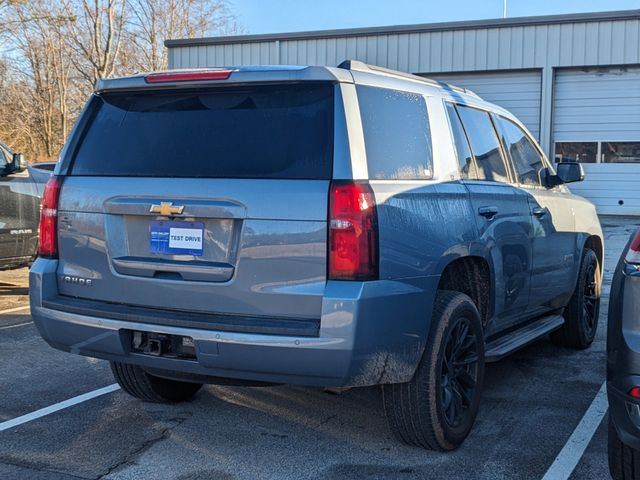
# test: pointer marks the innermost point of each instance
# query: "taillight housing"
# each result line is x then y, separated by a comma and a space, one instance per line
48, 230
353, 232
632, 258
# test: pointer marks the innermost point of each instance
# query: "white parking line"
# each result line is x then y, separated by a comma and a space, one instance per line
572, 452
57, 407
16, 309
16, 325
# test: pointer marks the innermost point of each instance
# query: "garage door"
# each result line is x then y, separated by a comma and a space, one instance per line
518, 92
596, 120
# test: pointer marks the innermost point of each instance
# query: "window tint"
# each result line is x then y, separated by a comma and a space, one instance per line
283, 131
4, 159
396, 133
484, 144
465, 159
524, 155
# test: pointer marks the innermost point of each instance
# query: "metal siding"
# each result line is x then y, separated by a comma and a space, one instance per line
597, 105
602, 106
472, 49
606, 185
518, 92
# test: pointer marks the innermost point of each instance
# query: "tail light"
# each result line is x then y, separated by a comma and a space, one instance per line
353, 232
188, 76
48, 231
632, 259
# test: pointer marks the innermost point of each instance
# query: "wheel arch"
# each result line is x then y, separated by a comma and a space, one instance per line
471, 275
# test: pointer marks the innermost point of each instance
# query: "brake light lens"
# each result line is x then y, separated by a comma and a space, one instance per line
48, 231
219, 74
635, 392
632, 259
353, 232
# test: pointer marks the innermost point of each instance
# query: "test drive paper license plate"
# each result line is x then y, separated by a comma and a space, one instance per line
173, 238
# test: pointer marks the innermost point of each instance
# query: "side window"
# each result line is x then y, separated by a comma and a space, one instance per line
484, 144
397, 136
465, 158
4, 159
524, 155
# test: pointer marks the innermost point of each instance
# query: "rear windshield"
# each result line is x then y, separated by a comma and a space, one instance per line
283, 131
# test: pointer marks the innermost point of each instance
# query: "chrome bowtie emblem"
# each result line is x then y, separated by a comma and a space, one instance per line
167, 208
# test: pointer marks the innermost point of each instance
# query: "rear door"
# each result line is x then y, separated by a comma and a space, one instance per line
554, 236
7, 243
210, 201
501, 212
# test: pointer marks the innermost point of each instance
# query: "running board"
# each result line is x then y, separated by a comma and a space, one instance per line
502, 346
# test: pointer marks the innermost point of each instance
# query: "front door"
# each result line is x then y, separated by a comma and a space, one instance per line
554, 237
501, 213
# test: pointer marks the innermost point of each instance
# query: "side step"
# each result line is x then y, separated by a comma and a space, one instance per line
502, 346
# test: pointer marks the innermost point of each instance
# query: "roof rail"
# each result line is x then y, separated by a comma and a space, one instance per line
357, 65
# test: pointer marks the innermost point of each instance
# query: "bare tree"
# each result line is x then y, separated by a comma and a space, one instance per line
51, 54
96, 36
153, 21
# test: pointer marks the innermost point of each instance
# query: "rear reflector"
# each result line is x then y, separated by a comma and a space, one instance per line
188, 76
635, 392
633, 254
48, 231
353, 232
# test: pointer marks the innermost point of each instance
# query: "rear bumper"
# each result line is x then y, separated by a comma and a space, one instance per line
370, 333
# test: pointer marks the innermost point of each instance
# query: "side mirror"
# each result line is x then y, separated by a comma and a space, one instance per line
19, 163
566, 172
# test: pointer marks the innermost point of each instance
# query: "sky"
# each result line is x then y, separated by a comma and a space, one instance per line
277, 16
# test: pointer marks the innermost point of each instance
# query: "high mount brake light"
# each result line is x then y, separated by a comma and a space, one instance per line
353, 232
632, 258
48, 230
188, 76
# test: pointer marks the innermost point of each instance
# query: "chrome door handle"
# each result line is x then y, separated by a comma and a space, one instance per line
488, 212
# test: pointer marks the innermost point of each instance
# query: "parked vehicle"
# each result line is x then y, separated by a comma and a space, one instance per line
623, 365
21, 187
320, 226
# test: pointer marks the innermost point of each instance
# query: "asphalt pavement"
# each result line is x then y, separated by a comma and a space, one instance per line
533, 401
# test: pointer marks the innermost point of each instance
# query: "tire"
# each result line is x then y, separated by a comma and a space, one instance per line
422, 411
149, 388
624, 461
583, 310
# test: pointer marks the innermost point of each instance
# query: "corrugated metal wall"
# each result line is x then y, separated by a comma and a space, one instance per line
518, 92
601, 105
597, 105
519, 47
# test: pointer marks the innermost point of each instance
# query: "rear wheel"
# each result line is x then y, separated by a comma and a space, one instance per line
624, 461
437, 408
149, 388
582, 313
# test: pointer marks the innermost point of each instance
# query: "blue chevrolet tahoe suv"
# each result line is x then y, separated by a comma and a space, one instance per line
335, 227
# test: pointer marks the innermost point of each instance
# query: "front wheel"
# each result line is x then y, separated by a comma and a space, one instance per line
582, 313
437, 408
138, 383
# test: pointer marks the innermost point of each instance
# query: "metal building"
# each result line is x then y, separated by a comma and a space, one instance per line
574, 80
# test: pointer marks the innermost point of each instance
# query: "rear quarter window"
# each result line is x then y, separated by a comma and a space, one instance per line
281, 131
397, 136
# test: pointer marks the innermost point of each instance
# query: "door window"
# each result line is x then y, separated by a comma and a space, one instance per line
526, 158
396, 131
621, 152
484, 144
465, 158
3, 159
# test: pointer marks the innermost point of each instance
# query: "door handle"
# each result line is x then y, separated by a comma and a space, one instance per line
488, 212
539, 212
